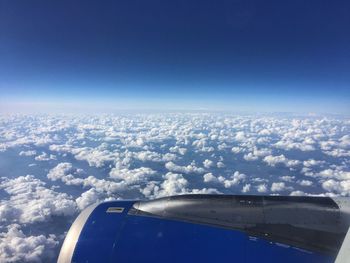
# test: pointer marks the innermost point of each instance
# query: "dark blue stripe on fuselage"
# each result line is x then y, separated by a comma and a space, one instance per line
119, 237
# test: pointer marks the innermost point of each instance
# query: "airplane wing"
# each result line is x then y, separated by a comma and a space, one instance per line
212, 228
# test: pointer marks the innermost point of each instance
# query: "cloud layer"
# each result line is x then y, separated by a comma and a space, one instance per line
58, 165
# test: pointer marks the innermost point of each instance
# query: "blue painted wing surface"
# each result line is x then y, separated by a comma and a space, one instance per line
131, 236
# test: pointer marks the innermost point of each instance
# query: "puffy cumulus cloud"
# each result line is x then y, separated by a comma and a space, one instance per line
209, 177
250, 157
68, 175
280, 159
17, 247
336, 147
339, 187
307, 171
87, 198
172, 184
338, 153
246, 188
97, 157
154, 156
61, 170
27, 153
45, 157
261, 152
27, 141
261, 188
204, 191
279, 186
62, 148
290, 145
305, 182
335, 180
336, 172
264, 132
312, 162
287, 178
344, 141
256, 154
223, 146
191, 168
208, 163
133, 176
177, 149
202, 145
150, 189
240, 136
237, 149
30, 201
102, 185
220, 164
259, 180
234, 179
297, 193
301, 193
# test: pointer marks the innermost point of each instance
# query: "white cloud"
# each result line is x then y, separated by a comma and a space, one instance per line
246, 188
177, 149
235, 179
262, 188
264, 132
261, 152
209, 177
30, 201
16, 247
154, 156
312, 162
67, 174
208, 163
45, 157
191, 168
280, 159
118, 144
202, 145
237, 149
87, 198
204, 191
305, 182
290, 145
61, 170
240, 136
250, 157
133, 176
279, 186
336, 173
173, 184
220, 164
297, 193
301, 193
27, 153
345, 141
341, 187
287, 178
94, 156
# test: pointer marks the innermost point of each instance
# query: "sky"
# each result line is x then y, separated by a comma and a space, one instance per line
235, 55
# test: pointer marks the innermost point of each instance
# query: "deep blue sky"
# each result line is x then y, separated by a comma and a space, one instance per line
289, 55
